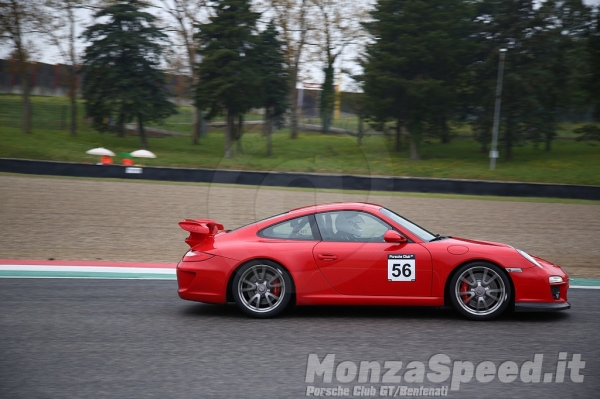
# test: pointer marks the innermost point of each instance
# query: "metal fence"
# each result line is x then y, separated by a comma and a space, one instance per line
309, 119
49, 116
43, 116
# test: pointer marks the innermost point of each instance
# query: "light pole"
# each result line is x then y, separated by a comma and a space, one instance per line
494, 151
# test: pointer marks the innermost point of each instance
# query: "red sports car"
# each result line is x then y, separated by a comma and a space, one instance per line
360, 254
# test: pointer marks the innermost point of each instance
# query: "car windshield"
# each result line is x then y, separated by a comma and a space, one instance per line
417, 230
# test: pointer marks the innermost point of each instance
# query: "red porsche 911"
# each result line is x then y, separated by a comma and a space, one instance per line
360, 254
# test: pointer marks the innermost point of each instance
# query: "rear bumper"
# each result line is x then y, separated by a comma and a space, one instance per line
204, 281
541, 306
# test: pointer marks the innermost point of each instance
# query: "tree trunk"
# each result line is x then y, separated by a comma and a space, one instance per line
414, 155
360, 130
25, 98
203, 125
73, 100
142, 132
229, 133
294, 102
548, 142
398, 133
412, 138
239, 132
327, 97
484, 143
267, 130
508, 141
445, 130
508, 151
195, 125
121, 125
198, 122
73, 74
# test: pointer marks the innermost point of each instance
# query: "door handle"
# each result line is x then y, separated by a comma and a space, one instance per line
327, 257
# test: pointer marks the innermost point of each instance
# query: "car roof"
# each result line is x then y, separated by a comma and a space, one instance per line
333, 206
307, 210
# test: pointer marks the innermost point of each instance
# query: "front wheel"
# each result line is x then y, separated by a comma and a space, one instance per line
480, 291
262, 289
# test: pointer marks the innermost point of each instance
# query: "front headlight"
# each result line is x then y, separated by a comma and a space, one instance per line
529, 258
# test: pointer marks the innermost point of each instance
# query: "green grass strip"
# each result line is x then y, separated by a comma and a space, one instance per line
569, 161
585, 282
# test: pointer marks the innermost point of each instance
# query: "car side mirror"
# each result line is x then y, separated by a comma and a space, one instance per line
394, 237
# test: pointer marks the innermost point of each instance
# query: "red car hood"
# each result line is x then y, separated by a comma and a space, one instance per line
469, 242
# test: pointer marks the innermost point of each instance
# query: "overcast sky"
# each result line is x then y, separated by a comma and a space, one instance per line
49, 54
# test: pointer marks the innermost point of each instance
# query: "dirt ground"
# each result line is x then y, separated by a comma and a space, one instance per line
42, 218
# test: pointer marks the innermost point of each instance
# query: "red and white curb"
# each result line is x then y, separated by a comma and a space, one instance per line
86, 269
10, 268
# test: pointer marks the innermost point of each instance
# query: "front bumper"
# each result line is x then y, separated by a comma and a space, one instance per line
541, 306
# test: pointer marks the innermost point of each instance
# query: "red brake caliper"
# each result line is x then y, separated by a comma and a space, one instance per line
276, 290
464, 287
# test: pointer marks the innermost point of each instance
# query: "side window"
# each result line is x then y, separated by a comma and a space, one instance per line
351, 226
293, 229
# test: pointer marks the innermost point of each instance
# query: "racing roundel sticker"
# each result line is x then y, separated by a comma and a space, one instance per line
401, 267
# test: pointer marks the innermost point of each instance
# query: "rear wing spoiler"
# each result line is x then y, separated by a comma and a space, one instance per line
200, 230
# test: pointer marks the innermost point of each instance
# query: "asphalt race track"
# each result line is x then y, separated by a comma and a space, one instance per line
87, 338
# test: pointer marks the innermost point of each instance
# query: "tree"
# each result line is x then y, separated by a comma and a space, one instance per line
356, 103
413, 65
512, 25
557, 51
58, 26
588, 133
18, 20
187, 14
591, 79
227, 72
593, 82
274, 80
543, 61
121, 66
340, 26
293, 17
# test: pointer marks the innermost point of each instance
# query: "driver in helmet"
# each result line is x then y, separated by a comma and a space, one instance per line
347, 225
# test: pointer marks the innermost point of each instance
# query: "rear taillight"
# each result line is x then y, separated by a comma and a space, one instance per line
196, 256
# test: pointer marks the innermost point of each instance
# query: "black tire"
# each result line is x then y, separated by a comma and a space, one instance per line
262, 289
480, 290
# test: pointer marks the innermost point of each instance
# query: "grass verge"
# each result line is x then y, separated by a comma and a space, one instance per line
569, 162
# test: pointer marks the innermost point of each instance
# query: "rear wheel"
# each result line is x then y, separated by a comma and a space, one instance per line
262, 289
480, 291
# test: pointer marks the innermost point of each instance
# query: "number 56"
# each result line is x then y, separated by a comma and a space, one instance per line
406, 270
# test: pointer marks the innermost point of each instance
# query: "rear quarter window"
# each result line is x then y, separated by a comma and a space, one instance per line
293, 229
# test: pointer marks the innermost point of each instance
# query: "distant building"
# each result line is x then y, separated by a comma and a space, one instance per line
52, 80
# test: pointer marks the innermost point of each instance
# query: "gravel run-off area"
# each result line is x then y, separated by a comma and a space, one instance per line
112, 220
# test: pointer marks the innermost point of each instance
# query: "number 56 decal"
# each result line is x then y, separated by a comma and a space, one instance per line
401, 267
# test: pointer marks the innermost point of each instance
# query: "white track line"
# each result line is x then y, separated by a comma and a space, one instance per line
95, 278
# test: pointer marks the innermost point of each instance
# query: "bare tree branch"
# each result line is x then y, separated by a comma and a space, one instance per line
183, 16
18, 21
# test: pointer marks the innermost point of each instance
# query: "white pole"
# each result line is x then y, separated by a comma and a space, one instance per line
494, 151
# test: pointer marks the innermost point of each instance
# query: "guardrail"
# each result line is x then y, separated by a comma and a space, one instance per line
306, 180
